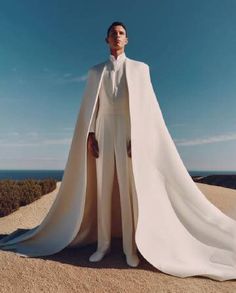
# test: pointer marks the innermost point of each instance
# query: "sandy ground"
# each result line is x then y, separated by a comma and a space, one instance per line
70, 270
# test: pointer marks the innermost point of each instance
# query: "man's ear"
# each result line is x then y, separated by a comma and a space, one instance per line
126, 40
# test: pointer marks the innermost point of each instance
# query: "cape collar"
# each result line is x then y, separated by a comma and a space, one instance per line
120, 58
100, 68
116, 63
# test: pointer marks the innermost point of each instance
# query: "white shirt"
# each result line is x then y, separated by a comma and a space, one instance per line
114, 70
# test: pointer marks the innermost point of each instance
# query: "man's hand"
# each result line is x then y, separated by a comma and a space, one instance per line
129, 148
93, 145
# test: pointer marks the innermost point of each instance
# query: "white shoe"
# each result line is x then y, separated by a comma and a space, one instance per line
132, 260
98, 255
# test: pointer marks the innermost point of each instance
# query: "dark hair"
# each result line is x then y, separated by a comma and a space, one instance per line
115, 23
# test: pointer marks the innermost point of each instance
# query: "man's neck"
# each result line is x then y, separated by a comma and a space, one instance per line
116, 53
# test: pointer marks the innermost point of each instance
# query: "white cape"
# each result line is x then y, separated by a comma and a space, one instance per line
178, 230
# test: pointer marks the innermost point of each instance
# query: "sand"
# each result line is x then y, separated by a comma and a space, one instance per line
70, 270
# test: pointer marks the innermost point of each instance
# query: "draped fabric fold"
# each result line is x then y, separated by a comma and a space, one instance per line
178, 230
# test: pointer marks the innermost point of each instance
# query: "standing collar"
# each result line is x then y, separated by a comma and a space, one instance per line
119, 59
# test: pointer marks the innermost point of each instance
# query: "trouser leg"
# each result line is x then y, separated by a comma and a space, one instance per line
123, 176
105, 178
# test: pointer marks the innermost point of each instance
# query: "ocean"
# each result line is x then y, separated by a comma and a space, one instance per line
31, 174
58, 174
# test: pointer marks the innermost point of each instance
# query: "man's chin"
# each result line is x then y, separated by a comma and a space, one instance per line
118, 47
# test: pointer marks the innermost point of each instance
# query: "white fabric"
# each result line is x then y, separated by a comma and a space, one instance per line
114, 70
112, 130
178, 230
111, 134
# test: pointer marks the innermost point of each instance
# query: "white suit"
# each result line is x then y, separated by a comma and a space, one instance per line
177, 229
111, 124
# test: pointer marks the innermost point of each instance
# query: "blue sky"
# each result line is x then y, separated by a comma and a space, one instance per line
47, 48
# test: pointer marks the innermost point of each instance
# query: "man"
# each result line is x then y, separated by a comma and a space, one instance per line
177, 229
114, 147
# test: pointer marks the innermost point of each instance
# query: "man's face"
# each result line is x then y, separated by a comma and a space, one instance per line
117, 37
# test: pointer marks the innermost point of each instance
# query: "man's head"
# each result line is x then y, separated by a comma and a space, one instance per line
117, 36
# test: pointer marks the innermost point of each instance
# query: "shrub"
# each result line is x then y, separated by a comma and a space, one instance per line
17, 193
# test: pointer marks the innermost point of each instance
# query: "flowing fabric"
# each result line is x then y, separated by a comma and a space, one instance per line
178, 230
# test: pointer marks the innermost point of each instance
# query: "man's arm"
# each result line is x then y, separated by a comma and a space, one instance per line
92, 142
129, 148
94, 118
93, 123
93, 145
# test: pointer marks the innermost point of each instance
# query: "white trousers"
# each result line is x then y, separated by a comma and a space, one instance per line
112, 132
